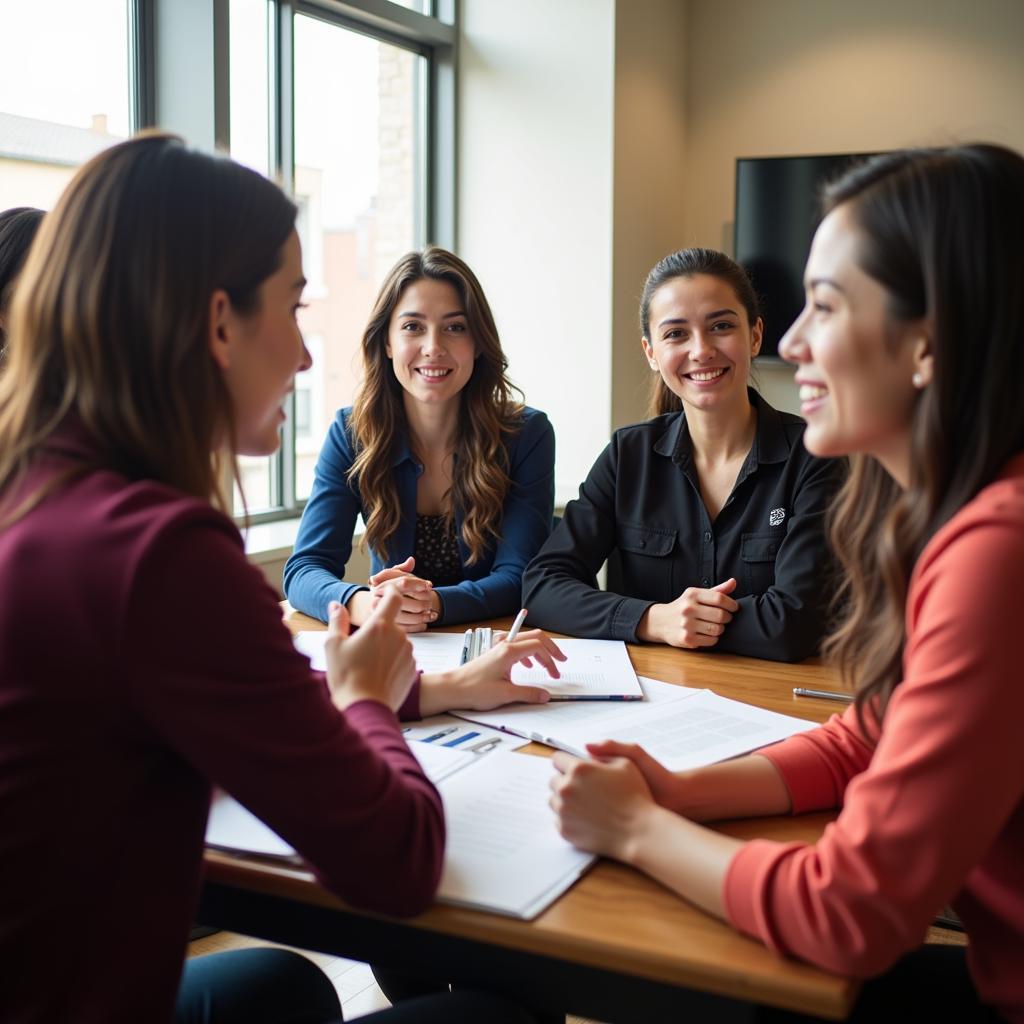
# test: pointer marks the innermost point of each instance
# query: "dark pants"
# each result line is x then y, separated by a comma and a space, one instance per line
276, 986
405, 990
932, 983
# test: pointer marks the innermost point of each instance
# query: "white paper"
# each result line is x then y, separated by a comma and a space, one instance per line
233, 827
311, 644
437, 652
593, 670
434, 652
504, 852
702, 728
542, 722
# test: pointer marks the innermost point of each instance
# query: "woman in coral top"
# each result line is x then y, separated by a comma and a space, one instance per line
910, 359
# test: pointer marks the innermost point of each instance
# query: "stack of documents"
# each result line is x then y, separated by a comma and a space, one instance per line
593, 669
503, 852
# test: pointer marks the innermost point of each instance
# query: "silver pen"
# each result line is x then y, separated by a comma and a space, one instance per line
484, 745
845, 698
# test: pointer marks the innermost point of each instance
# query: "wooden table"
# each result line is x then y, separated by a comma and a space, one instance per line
617, 946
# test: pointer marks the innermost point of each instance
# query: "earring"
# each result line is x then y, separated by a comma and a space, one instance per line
653, 364
917, 380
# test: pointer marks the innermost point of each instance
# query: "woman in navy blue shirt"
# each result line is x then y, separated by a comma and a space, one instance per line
453, 478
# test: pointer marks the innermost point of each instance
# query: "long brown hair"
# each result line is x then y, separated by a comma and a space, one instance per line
109, 324
688, 263
941, 231
487, 412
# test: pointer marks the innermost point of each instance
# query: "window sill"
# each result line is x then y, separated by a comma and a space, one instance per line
271, 542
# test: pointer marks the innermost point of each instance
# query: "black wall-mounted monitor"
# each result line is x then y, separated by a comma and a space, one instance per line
777, 211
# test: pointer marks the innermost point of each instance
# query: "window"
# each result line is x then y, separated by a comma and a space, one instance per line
63, 98
360, 154
357, 151
348, 103
250, 41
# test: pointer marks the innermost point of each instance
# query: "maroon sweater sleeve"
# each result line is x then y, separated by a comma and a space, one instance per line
221, 683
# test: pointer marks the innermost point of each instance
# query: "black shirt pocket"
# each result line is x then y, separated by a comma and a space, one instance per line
641, 565
758, 552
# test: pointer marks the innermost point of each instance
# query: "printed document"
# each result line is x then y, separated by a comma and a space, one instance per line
680, 727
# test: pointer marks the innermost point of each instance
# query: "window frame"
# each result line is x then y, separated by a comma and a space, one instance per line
431, 36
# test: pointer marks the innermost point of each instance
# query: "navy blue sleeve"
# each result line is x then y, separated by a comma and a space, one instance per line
525, 525
313, 574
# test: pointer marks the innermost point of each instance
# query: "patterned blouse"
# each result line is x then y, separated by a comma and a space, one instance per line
437, 551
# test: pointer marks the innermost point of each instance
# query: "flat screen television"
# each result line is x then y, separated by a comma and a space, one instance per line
777, 211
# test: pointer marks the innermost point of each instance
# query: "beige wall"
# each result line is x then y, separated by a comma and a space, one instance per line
563, 218
821, 76
649, 197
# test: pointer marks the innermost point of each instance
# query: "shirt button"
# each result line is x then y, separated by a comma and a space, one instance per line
707, 535
705, 582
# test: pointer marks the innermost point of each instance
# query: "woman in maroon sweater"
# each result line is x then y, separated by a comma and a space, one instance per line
142, 660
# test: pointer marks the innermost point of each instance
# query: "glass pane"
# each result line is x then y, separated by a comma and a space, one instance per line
64, 93
423, 6
249, 43
358, 185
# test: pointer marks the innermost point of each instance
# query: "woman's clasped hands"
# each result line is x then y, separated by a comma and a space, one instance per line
419, 605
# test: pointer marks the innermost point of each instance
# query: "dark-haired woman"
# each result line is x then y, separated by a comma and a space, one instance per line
909, 359
712, 511
454, 479
18, 226
154, 327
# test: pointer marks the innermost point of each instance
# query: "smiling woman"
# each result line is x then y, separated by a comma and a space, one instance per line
710, 513
454, 479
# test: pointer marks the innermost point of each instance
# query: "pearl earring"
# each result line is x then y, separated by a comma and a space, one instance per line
654, 365
917, 380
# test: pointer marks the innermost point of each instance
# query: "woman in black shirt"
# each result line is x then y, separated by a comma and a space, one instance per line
711, 513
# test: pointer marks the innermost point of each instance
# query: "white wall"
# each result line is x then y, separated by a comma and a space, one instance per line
536, 106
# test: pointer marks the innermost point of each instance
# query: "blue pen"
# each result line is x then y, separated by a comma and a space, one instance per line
466, 641
460, 739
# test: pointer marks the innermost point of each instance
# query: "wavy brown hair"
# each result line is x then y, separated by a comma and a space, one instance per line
688, 263
110, 321
488, 413
941, 231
